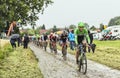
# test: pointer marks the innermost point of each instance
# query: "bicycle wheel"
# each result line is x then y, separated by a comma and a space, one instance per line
64, 51
51, 48
55, 49
83, 64
50, 45
45, 45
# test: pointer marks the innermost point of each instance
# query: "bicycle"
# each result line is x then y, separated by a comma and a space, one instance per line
50, 45
64, 51
54, 47
82, 60
45, 45
41, 43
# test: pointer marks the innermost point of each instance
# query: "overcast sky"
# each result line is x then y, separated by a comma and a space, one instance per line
66, 12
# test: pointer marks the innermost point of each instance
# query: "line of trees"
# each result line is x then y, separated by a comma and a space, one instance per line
114, 21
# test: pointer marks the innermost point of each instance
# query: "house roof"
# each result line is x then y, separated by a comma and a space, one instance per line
43, 31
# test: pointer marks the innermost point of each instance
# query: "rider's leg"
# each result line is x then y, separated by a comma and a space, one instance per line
77, 55
89, 49
50, 44
63, 44
71, 45
62, 47
84, 45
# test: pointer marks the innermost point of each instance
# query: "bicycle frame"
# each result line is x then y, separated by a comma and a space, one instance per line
82, 59
64, 50
45, 45
53, 47
50, 45
81, 48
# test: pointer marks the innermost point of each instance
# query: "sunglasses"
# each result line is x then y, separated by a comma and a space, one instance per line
81, 27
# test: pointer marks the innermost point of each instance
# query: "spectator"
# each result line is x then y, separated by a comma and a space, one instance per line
91, 42
12, 41
25, 41
71, 38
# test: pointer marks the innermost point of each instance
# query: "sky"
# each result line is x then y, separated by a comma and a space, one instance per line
66, 12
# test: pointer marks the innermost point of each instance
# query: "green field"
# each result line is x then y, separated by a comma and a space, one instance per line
107, 53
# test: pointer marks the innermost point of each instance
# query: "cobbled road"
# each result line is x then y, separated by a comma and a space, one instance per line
53, 66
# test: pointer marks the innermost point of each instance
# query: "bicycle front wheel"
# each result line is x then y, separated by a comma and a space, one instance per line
45, 46
64, 52
83, 64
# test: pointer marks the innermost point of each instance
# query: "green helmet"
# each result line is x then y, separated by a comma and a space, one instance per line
81, 24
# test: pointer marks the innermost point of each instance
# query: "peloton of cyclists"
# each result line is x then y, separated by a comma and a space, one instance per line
81, 37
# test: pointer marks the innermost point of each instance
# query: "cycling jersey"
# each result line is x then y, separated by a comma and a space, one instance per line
45, 37
50, 37
81, 35
41, 38
64, 37
54, 38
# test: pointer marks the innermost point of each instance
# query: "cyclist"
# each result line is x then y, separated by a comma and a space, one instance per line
54, 38
64, 37
50, 36
41, 41
53, 43
45, 38
50, 40
81, 34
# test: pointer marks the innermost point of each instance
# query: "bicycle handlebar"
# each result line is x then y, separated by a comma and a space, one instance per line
81, 47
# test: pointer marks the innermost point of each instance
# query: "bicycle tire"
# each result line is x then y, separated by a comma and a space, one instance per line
64, 51
45, 46
55, 49
83, 64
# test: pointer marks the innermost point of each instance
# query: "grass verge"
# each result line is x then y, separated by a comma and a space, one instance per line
5, 48
21, 63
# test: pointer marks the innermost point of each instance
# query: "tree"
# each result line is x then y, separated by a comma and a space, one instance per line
43, 27
111, 22
86, 25
30, 32
26, 10
72, 26
114, 21
38, 30
101, 26
54, 28
93, 28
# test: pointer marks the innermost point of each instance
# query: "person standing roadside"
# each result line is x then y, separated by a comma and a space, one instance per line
25, 41
71, 37
12, 41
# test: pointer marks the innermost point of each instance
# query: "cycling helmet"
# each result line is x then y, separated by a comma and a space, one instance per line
51, 33
64, 32
54, 34
81, 24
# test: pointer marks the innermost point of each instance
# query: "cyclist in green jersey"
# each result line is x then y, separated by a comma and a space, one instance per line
81, 34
